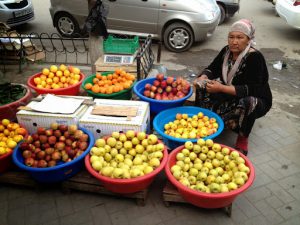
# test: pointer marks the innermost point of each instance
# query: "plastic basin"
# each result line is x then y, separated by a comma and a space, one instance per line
6, 162
58, 173
71, 90
9, 111
126, 186
121, 95
207, 200
167, 116
157, 106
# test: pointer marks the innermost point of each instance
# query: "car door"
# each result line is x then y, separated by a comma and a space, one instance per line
133, 15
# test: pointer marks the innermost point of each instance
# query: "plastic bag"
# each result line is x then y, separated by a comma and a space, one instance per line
96, 21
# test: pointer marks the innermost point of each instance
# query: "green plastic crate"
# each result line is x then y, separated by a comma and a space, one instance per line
120, 46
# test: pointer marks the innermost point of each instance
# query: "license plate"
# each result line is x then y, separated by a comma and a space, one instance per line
22, 12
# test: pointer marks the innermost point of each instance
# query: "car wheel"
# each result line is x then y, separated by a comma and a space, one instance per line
223, 14
66, 25
178, 37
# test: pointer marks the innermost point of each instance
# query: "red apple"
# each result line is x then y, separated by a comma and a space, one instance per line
49, 151
24, 146
174, 84
57, 133
41, 155
160, 90
49, 132
54, 126
48, 158
78, 134
67, 134
147, 86
52, 140
147, 93
29, 161
157, 96
168, 89
63, 127
37, 144
60, 145
84, 137
29, 139
72, 128
62, 138
41, 130
42, 163
35, 137
43, 139
26, 154
51, 163
152, 94
160, 77
156, 83
170, 80
68, 142
56, 156
83, 145
153, 89
163, 84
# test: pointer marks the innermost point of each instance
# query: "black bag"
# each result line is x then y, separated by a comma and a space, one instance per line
96, 21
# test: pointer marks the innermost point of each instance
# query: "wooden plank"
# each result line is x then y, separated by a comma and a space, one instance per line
115, 111
171, 194
18, 178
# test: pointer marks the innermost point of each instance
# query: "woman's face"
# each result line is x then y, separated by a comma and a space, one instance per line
237, 42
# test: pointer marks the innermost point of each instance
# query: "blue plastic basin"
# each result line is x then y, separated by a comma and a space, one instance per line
58, 173
157, 106
169, 115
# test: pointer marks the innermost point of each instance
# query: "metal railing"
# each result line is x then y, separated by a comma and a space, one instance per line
52, 48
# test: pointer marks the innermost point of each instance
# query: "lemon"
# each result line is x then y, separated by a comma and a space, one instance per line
5, 122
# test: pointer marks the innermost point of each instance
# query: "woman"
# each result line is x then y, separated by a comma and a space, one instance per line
236, 83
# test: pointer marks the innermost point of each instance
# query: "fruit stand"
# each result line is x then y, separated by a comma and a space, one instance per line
102, 142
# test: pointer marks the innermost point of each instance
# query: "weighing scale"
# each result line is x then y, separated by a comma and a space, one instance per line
121, 59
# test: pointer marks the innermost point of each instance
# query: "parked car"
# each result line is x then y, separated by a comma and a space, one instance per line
289, 10
16, 12
228, 8
176, 23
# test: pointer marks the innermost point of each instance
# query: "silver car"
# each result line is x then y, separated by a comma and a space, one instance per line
16, 12
177, 23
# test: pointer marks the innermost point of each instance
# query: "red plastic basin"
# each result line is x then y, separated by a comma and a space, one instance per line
71, 90
126, 186
9, 111
6, 162
207, 200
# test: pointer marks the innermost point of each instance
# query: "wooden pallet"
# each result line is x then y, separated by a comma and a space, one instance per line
83, 181
171, 194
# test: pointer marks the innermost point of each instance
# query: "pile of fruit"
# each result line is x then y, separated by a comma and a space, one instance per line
196, 126
111, 83
11, 92
208, 167
58, 77
59, 143
127, 155
10, 134
167, 89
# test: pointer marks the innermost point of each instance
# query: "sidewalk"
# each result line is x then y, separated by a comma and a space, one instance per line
274, 198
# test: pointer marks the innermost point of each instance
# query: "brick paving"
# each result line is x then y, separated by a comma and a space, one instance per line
274, 197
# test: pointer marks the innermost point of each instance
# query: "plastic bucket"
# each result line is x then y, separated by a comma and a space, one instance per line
169, 115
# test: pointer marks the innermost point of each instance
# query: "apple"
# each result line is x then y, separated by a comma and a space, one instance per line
147, 86
170, 80
160, 77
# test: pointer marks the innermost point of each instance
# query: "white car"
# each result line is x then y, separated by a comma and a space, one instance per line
290, 11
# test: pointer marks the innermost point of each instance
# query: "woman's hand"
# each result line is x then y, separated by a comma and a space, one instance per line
199, 80
214, 86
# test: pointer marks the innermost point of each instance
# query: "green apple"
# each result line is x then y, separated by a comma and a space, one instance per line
234, 154
132, 152
180, 163
117, 173
111, 141
223, 188
225, 151
204, 149
130, 134
210, 179
192, 180
219, 156
141, 135
177, 174
220, 170
201, 142
114, 152
94, 158
100, 142
193, 172
232, 186
188, 145
107, 171
152, 139
203, 156
216, 147
239, 181
128, 162
158, 155
208, 165
219, 180
160, 147
180, 156
147, 169
186, 167
205, 169
137, 161
115, 135
175, 168
198, 166
128, 145
154, 162
107, 157
123, 151
214, 188
211, 154
119, 158
192, 156
196, 148
185, 182
240, 160
135, 172
185, 152
97, 165
213, 172
215, 162
135, 141
226, 159
209, 143
139, 148
202, 176
123, 137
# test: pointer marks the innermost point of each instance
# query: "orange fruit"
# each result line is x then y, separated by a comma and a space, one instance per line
45, 71
95, 88
88, 86
95, 80
118, 71
59, 73
51, 75
53, 68
66, 73
62, 67
98, 75
109, 76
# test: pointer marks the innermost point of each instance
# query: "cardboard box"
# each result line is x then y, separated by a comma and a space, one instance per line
33, 119
101, 125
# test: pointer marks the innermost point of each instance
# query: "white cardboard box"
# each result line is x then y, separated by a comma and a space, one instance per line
101, 125
33, 119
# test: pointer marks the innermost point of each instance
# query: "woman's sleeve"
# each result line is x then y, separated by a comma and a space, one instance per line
214, 70
256, 76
